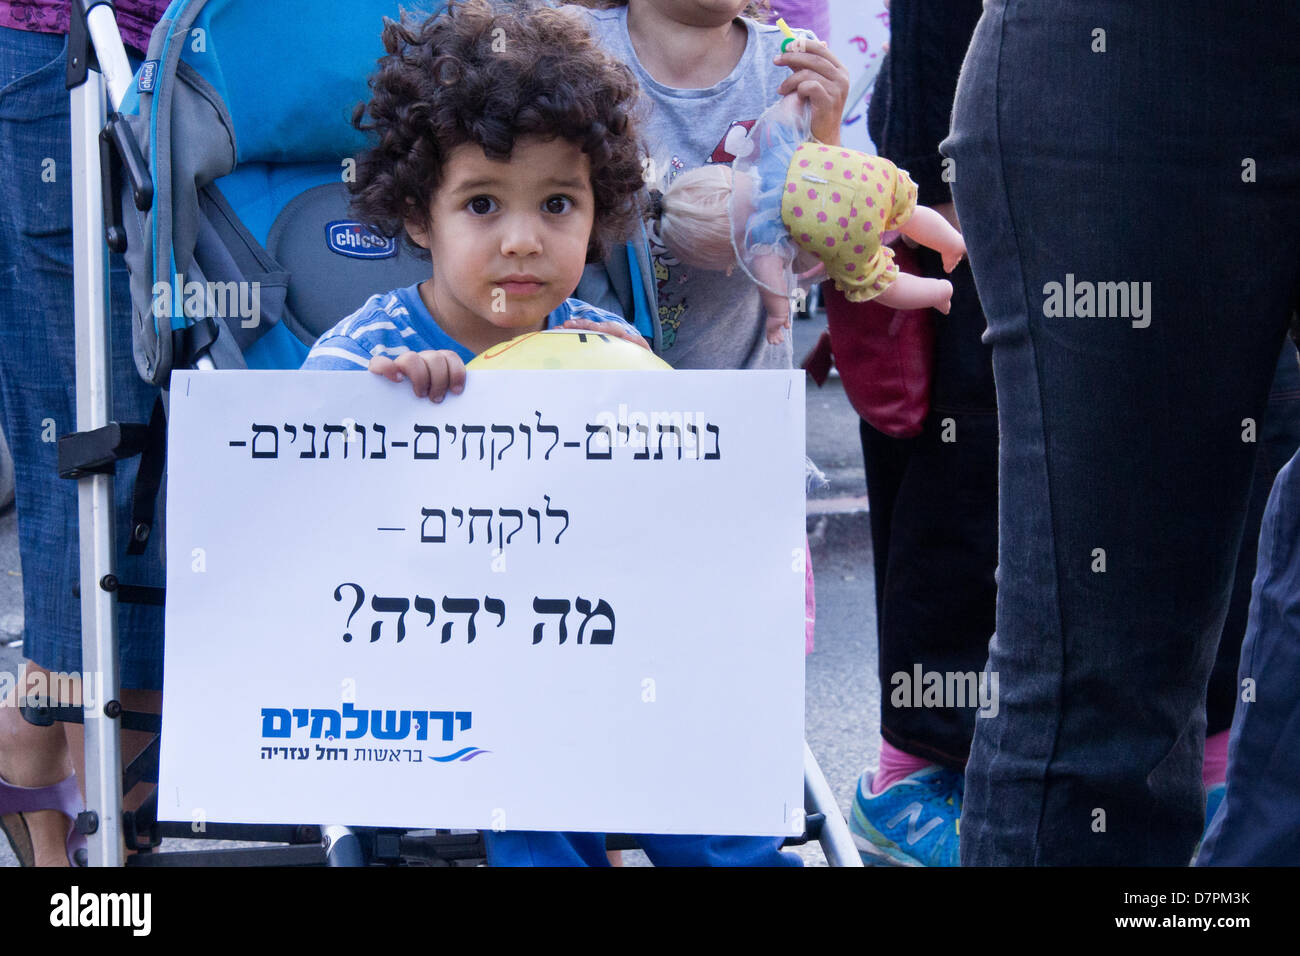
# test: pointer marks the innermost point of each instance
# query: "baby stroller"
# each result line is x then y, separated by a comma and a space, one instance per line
200, 178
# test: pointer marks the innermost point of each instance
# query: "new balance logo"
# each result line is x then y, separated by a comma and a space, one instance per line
912, 814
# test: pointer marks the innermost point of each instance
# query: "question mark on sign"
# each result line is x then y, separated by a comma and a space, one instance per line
361, 597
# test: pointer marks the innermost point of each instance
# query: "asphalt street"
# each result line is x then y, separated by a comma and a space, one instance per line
842, 693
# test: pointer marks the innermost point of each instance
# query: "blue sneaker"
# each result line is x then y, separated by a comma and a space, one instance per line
1213, 797
914, 822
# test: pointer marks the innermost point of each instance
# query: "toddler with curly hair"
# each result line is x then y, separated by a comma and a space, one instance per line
506, 149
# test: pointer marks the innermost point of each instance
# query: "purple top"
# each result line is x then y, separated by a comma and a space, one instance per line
135, 18
814, 15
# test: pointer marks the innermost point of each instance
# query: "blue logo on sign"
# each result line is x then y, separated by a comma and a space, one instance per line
148, 76
356, 240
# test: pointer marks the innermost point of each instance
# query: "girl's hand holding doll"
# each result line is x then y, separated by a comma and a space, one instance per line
820, 79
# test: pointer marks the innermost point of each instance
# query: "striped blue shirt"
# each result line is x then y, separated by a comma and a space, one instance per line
395, 322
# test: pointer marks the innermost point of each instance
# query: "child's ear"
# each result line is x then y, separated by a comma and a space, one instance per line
419, 234
417, 226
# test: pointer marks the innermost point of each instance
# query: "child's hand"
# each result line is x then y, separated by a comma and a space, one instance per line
821, 79
432, 373
616, 329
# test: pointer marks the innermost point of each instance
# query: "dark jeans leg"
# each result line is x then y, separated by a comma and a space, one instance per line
934, 535
885, 460
1123, 475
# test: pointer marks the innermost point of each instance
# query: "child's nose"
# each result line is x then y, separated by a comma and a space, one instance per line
522, 236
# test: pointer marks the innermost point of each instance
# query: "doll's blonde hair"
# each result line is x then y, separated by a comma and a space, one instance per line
695, 225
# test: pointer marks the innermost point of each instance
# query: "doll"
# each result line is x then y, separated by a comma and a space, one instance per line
789, 209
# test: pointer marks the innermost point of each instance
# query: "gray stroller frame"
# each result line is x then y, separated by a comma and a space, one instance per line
103, 150
90, 89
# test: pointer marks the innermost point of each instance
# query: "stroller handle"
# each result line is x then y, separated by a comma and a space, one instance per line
109, 51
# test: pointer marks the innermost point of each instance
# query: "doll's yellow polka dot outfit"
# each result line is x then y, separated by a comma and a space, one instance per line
836, 205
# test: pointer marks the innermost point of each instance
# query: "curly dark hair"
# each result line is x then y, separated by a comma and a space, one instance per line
489, 73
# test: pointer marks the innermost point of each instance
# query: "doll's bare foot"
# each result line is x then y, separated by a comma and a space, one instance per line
944, 300
909, 291
775, 324
931, 229
952, 258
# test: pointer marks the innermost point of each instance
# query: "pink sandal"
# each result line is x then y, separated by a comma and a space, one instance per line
15, 801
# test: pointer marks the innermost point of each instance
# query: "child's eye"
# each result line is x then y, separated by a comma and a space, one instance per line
559, 204
480, 205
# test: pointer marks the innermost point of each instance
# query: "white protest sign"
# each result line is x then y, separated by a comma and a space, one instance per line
561, 600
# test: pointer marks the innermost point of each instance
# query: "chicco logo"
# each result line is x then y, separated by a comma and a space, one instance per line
354, 239
148, 76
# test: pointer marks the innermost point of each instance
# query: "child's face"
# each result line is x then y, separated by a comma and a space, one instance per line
508, 240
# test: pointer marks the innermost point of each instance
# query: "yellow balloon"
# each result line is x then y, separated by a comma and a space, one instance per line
567, 349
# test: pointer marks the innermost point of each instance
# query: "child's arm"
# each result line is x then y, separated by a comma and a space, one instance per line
931, 229
770, 270
432, 373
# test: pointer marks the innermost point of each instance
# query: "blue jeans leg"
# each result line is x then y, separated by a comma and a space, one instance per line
1258, 823
665, 850
1278, 440
38, 374
1107, 157
536, 848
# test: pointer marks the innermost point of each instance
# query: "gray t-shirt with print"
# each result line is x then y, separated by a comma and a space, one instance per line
710, 320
